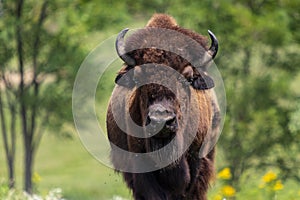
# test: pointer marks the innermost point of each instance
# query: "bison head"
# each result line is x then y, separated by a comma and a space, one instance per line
165, 72
144, 47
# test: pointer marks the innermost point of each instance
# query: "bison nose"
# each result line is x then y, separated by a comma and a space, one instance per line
159, 114
159, 117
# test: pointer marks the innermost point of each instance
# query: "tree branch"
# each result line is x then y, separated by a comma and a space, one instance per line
40, 130
35, 83
4, 128
19, 41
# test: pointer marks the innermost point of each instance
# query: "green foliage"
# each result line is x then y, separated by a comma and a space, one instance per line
59, 52
262, 186
4, 189
40, 58
259, 101
294, 124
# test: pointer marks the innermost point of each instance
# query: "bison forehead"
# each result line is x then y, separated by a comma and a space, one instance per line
162, 77
155, 92
153, 55
174, 47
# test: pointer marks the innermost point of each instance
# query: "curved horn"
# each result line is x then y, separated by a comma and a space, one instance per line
213, 49
120, 47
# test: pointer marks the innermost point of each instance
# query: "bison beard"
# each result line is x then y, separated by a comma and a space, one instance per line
155, 107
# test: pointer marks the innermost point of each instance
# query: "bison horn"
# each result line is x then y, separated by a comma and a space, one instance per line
120, 47
213, 49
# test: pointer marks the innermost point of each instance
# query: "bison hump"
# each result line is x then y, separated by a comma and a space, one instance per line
162, 21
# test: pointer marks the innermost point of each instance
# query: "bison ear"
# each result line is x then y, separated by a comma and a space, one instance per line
125, 79
202, 82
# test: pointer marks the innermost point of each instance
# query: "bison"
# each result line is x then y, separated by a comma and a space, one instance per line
163, 117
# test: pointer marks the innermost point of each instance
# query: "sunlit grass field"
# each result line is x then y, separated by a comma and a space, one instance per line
65, 163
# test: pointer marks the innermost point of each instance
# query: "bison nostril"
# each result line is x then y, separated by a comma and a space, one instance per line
171, 122
148, 120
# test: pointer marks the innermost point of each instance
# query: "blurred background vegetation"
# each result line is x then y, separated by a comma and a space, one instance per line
42, 44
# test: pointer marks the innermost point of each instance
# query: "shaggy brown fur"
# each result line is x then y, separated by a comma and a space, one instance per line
157, 36
168, 22
189, 177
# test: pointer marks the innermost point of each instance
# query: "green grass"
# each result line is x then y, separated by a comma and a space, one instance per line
65, 163
68, 165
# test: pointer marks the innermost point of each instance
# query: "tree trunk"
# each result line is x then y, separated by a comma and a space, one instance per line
28, 164
8, 147
29, 127
11, 163
11, 173
28, 113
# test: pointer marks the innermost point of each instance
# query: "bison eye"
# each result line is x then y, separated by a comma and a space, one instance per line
152, 98
203, 82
